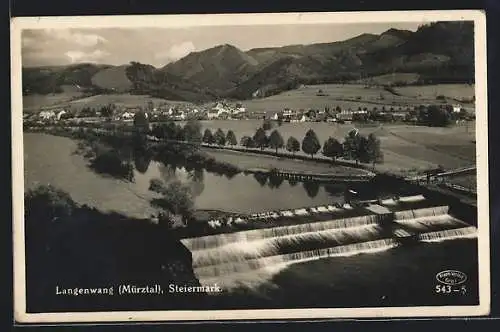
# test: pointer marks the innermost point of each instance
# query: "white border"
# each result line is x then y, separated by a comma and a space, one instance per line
172, 21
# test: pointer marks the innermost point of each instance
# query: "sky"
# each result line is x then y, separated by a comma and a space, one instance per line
160, 46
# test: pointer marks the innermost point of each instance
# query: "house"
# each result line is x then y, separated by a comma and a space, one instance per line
47, 115
345, 115
275, 117
239, 110
179, 115
60, 114
212, 114
457, 108
219, 107
299, 118
127, 116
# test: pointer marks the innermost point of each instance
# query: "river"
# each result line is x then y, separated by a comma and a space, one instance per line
52, 160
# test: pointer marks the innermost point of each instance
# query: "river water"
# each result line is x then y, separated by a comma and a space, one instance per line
52, 160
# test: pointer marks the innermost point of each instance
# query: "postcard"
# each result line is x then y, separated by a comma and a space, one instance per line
250, 166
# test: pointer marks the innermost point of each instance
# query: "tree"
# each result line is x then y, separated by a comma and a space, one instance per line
192, 131
171, 130
247, 142
267, 125
292, 145
157, 131
208, 137
310, 143
280, 119
176, 198
276, 140
107, 111
433, 116
332, 148
220, 137
260, 138
373, 150
231, 138
141, 122
463, 114
350, 145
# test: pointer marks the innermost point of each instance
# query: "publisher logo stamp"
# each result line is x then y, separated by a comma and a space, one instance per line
451, 281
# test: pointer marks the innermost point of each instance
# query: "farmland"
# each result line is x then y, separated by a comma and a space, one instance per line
407, 78
307, 97
450, 91
405, 148
120, 100
359, 95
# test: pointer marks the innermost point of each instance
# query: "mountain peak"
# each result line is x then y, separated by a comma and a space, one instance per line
403, 34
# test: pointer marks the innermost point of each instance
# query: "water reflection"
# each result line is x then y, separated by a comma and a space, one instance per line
275, 182
142, 161
261, 178
135, 163
311, 188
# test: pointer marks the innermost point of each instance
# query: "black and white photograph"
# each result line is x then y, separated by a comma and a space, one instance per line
250, 166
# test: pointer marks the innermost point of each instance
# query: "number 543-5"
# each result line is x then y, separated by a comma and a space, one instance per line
447, 289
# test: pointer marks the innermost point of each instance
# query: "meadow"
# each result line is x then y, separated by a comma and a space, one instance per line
346, 96
360, 95
120, 100
35, 102
406, 148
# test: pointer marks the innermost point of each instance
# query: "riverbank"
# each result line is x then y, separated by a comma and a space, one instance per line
252, 160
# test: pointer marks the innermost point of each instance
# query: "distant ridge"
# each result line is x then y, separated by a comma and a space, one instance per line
437, 52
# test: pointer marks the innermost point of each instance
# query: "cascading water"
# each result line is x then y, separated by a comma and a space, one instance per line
256, 272
250, 258
449, 234
433, 219
247, 250
216, 241
424, 212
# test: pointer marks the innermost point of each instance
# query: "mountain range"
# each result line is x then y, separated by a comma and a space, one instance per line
439, 52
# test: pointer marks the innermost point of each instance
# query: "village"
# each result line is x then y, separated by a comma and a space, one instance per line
223, 110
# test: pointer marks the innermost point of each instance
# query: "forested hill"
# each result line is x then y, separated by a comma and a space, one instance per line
438, 52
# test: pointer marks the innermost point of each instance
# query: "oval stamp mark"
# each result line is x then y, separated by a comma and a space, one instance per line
451, 277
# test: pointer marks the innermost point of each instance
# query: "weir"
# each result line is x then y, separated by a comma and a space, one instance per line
253, 254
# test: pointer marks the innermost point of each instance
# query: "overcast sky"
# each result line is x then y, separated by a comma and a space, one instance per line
159, 46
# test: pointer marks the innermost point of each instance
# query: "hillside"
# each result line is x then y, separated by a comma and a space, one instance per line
113, 78
44, 80
219, 68
441, 52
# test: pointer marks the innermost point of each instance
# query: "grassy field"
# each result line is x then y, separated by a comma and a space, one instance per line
120, 100
359, 95
256, 161
467, 181
390, 79
405, 147
452, 91
332, 95
35, 102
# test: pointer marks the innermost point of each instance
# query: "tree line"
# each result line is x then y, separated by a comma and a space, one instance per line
357, 147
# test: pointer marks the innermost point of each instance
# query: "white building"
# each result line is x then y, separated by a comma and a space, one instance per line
47, 115
61, 113
212, 114
457, 108
127, 116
